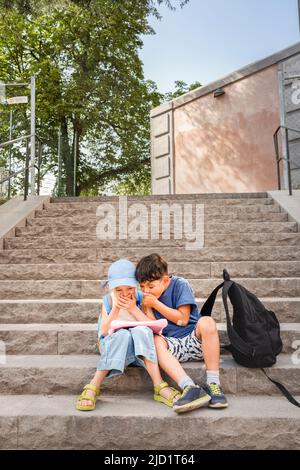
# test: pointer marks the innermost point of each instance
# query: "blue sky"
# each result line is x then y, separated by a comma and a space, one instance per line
208, 39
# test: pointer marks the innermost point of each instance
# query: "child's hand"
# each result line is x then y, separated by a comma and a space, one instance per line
128, 303
149, 300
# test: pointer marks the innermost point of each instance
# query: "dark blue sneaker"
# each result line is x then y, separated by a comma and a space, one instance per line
218, 399
192, 397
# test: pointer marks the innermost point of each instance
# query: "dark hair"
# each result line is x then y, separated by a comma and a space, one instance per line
151, 268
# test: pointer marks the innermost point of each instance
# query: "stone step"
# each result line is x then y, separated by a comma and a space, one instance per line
148, 200
227, 214
190, 269
61, 228
210, 205
64, 374
210, 222
181, 256
163, 197
81, 338
82, 289
287, 309
84, 239
46, 422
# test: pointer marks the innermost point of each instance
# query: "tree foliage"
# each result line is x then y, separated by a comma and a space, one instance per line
90, 86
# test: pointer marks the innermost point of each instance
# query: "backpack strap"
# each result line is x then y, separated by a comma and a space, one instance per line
206, 310
283, 390
209, 303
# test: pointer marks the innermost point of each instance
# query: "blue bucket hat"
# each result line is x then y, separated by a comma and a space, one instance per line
121, 273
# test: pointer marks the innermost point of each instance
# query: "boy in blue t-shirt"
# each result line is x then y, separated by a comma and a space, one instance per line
188, 335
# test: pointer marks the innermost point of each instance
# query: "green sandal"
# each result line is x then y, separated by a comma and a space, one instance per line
86, 396
167, 401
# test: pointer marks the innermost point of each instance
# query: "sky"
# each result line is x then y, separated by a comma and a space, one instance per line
208, 39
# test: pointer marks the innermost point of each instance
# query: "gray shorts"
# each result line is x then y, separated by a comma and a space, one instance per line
188, 348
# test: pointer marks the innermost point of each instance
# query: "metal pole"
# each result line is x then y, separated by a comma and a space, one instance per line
26, 171
299, 13
9, 156
277, 160
32, 132
59, 161
288, 162
75, 156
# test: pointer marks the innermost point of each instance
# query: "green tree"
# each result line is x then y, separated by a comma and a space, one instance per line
90, 84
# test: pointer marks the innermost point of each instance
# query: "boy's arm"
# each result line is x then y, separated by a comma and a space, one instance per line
149, 312
180, 316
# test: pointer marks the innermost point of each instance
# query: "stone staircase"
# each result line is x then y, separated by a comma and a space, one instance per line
50, 296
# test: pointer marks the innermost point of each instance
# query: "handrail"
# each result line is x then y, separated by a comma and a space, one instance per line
27, 165
13, 141
287, 158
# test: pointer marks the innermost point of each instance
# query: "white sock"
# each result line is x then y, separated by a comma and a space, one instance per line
185, 382
213, 376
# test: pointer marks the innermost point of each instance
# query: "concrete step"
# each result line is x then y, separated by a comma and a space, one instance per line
181, 256
82, 289
210, 225
86, 239
81, 338
148, 200
190, 269
287, 309
63, 228
87, 310
64, 374
210, 214
163, 197
83, 240
46, 422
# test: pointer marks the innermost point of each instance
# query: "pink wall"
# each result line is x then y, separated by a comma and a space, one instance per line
225, 144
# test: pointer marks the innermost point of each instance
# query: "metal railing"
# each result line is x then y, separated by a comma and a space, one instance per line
287, 158
27, 166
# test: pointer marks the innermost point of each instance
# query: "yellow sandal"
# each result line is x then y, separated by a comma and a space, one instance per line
167, 401
85, 396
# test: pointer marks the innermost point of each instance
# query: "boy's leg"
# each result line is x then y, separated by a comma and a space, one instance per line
193, 396
206, 331
168, 362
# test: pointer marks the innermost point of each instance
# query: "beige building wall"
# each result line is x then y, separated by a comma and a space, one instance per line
225, 144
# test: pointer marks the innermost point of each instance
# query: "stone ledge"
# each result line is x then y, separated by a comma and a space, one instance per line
15, 212
44, 422
290, 204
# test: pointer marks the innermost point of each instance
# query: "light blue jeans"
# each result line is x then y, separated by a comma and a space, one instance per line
124, 347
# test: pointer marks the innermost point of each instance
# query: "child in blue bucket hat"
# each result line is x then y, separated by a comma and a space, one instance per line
125, 346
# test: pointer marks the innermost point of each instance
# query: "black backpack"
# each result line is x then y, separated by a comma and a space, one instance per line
254, 332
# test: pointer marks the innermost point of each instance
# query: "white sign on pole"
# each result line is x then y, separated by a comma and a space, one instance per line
17, 100
2, 93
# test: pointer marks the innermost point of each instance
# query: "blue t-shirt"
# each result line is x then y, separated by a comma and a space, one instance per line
179, 292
